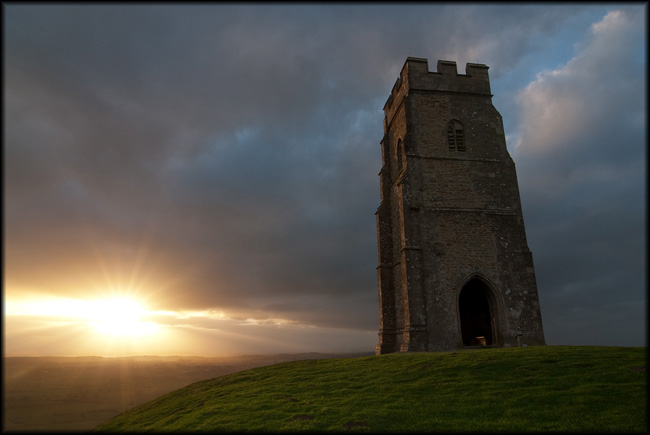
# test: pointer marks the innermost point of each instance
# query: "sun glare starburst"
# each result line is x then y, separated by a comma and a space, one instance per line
119, 317
116, 317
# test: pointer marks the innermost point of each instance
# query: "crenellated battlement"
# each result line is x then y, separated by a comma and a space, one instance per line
415, 75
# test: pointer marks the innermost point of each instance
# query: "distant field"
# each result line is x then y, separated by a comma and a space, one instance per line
62, 393
533, 389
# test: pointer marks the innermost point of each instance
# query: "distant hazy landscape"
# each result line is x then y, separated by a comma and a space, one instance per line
78, 393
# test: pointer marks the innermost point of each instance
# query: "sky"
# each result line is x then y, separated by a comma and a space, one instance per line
216, 166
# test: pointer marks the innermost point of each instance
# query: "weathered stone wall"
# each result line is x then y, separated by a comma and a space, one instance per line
447, 216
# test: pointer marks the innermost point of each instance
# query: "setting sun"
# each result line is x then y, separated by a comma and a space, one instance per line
119, 317
115, 317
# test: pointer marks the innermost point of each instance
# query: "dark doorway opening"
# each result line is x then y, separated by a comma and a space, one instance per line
475, 316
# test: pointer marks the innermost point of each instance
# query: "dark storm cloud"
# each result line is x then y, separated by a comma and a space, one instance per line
232, 153
582, 166
226, 157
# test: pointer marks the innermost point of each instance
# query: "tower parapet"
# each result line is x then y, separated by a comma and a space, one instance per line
415, 75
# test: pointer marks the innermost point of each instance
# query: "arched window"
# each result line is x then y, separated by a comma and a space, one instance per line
455, 136
400, 153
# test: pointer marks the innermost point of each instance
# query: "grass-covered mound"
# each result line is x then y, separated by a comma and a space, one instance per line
547, 388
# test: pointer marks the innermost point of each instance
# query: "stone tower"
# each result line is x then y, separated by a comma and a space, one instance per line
454, 265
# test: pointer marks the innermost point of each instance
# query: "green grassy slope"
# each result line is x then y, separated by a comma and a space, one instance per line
547, 388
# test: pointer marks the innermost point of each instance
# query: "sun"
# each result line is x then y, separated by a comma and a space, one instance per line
112, 316
119, 317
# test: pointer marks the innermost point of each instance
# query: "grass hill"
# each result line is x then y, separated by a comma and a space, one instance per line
546, 388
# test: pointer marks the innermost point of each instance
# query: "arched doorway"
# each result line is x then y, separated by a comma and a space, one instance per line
476, 318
